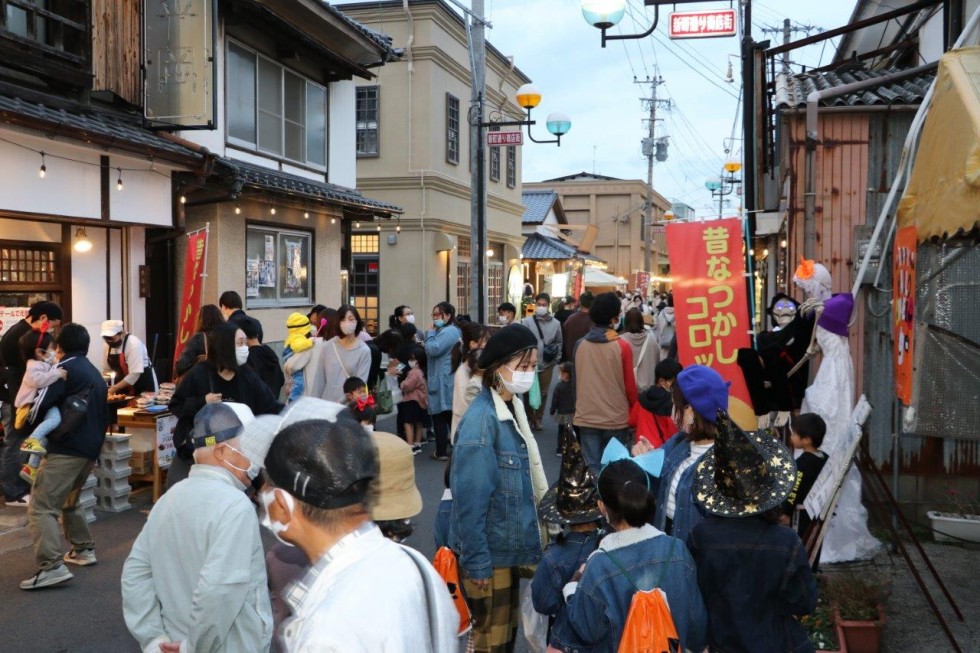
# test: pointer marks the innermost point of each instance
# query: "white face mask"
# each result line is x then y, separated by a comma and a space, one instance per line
275, 527
502, 319
252, 471
541, 311
348, 328
50, 357
519, 383
241, 354
368, 427
411, 318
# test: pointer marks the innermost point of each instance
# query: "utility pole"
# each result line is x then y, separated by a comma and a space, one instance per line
648, 149
478, 180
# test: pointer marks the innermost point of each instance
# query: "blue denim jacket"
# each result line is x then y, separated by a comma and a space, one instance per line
493, 521
598, 608
439, 373
755, 577
441, 525
557, 566
687, 512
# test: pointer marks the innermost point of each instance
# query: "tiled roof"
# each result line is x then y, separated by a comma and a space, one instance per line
86, 123
544, 248
537, 204
792, 90
383, 41
284, 182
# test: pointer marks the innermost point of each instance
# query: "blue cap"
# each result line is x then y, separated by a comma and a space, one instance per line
705, 390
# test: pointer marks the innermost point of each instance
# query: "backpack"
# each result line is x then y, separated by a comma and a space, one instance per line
667, 330
445, 564
649, 626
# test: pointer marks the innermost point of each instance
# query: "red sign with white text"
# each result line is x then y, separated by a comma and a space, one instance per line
702, 24
710, 303
496, 139
903, 280
190, 299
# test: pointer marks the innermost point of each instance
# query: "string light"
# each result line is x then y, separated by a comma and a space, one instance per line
44, 169
398, 227
119, 184
379, 227
765, 252
782, 243
306, 214
272, 210
333, 220
238, 209
357, 225
183, 199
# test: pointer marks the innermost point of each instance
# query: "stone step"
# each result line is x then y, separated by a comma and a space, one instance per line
14, 533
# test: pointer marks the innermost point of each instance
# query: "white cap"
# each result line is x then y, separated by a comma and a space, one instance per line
257, 436
111, 328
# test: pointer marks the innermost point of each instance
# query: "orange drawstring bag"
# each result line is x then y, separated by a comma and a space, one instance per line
649, 626
445, 564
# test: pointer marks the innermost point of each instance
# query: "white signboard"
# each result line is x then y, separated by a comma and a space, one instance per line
701, 24
165, 440
497, 139
11, 315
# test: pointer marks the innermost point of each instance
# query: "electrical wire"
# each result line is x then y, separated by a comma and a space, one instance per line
692, 67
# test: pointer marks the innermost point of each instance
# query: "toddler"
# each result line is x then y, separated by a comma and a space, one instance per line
415, 400
36, 348
806, 433
356, 389
563, 400
298, 339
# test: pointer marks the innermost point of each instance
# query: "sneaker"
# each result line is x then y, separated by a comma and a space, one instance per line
28, 473
438, 457
33, 445
47, 578
82, 558
430, 435
20, 502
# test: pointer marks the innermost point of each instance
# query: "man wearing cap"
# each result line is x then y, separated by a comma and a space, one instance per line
41, 316
125, 356
195, 578
363, 592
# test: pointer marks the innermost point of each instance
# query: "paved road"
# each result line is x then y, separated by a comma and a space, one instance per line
85, 614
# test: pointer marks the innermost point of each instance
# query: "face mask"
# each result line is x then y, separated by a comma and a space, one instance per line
241, 354
410, 319
688, 420
413, 364
252, 471
541, 311
502, 319
348, 328
368, 427
439, 324
520, 382
50, 357
275, 527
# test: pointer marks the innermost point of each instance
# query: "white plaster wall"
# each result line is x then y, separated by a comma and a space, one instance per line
44, 232
88, 306
341, 156
145, 197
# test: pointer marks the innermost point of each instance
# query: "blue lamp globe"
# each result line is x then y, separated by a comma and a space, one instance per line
712, 183
603, 14
558, 123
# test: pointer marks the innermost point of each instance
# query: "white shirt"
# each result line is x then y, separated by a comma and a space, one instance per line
137, 358
367, 595
196, 573
697, 450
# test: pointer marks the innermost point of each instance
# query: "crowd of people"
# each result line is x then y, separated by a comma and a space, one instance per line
660, 493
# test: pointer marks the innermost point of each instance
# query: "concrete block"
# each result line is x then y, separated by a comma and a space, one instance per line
113, 486
112, 503
90, 483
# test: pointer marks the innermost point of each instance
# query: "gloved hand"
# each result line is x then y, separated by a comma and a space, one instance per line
782, 419
765, 421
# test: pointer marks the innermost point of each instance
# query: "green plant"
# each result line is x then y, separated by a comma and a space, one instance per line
820, 627
856, 597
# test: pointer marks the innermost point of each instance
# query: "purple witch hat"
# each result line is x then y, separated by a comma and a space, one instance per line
837, 313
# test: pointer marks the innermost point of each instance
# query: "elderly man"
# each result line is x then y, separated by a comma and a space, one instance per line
320, 471
195, 578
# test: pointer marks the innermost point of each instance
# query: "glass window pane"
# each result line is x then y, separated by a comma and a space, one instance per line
295, 141
17, 21
270, 106
316, 125
241, 93
295, 97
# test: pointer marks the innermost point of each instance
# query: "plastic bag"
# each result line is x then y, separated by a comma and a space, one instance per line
535, 624
445, 564
383, 399
534, 394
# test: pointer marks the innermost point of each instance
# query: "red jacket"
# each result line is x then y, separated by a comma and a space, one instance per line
657, 429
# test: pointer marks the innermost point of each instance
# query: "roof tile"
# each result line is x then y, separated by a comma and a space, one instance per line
792, 90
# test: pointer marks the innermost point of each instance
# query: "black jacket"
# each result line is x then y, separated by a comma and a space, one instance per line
86, 440
657, 400
264, 361
563, 398
195, 348
11, 363
239, 316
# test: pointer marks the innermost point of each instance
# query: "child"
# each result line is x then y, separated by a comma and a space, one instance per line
652, 415
415, 399
563, 400
571, 503
807, 431
635, 557
298, 339
36, 349
356, 389
262, 358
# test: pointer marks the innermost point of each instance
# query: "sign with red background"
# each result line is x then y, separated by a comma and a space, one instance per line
190, 299
903, 281
707, 272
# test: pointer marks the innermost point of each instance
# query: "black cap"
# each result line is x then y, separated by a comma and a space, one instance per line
511, 340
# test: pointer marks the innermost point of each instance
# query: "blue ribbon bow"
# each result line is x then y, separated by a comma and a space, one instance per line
651, 462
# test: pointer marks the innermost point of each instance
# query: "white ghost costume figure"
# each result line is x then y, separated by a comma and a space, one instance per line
831, 396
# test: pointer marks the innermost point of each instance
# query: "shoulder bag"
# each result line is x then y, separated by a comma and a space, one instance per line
551, 350
73, 410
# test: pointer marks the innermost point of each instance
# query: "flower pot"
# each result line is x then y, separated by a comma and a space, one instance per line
841, 646
861, 636
949, 527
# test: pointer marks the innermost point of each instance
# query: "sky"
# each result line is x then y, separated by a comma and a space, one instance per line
554, 46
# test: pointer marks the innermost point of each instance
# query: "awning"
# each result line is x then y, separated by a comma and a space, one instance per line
538, 247
595, 277
942, 197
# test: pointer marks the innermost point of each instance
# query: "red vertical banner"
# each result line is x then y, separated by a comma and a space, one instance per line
903, 305
707, 270
190, 299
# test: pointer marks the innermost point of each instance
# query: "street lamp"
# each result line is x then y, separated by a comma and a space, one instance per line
603, 14
528, 97
717, 185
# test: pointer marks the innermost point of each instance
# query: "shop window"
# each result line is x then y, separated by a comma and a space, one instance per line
452, 128
29, 273
278, 267
367, 115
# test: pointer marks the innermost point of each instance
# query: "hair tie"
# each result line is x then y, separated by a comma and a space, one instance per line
362, 402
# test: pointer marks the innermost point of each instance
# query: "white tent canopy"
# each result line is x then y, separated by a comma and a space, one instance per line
594, 277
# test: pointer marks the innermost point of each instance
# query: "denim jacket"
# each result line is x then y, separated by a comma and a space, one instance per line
755, 578
558, 564
493, 521
687, 512
439, 374
628, 560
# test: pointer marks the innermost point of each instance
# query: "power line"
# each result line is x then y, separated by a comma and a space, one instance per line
689, 65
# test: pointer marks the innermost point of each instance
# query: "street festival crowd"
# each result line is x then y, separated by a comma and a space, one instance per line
669, 528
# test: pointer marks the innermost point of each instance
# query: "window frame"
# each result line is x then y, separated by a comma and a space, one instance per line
452, 107
279, 232
377, 122
493, 165
511, 166
240, 143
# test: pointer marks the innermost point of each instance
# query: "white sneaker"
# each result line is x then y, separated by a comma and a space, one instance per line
81, 558
47, 578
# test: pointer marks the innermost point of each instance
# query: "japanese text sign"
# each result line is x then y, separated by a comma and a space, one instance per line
710, 303
701, 24
190, 299
903, 280
496, 139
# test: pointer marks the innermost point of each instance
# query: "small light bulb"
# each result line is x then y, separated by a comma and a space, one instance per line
357, 225
272, 210
238, 210
765, 252
183, 199
782, 243
306, 214
119, 184
379, 227
398, 228
43, 171
333, 220
752, 252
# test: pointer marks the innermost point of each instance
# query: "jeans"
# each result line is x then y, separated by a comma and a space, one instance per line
11, 458
594, 441
441, 423
51, 421
56, 490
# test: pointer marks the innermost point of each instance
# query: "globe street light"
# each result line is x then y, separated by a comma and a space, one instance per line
528, 97
603, 14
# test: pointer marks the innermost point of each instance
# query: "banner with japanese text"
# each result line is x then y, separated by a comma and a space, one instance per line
903, 281
707, 272
190, 299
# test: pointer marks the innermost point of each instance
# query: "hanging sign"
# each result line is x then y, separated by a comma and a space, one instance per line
903, 306
702, 24
497, 139
710, 303
190, 299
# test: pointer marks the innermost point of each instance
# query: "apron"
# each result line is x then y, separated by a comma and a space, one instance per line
117, 363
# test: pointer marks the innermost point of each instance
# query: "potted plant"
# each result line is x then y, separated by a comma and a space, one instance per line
858, 602
822, 629
960, 523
